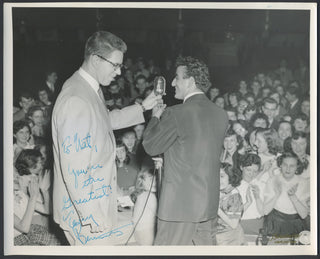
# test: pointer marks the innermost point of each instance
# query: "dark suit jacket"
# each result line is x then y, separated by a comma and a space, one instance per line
191, 137
295, 110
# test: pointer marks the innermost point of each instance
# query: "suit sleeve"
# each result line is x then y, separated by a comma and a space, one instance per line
126, 117
160, 134
74, 136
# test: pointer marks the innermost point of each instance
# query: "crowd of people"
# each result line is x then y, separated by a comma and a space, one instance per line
264, 174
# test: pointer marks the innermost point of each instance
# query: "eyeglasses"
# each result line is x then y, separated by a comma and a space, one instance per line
115, 66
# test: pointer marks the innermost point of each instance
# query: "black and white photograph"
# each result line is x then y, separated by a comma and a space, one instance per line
160, 128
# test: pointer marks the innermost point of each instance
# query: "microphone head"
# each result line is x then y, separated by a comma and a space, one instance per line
159, 85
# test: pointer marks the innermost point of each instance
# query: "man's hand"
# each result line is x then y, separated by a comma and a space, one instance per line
158, 110
151, 101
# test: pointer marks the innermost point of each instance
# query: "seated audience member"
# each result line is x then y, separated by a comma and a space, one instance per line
294, 106
242, 105
259, 120
256, 89
126, 172
32, 202
45, 104
301, 123
21, 134
35, 113
270, 109
286, 199
230, 209
240, 128
266, 141
212, 93
145, 207
250, 97
142, 158
243, 88
118, 101
284, 132
51, 86
299, 145
249, 112
284, 73
26, 100
305, 107
281, 110
233, 99
141, 84
219, 101
251, 191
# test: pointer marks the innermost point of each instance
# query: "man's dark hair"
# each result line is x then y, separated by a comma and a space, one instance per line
197, 69
269, 100
103, 43
293, 91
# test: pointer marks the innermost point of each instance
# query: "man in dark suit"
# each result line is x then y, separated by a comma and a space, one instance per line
191, 137
270, 109
51, 85
294, 106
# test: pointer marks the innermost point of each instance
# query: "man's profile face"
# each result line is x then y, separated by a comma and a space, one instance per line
53, 77
105, 71
180, 83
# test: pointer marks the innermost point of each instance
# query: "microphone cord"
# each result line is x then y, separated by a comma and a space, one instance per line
145, 205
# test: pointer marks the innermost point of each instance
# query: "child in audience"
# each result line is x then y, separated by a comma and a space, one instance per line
32, 202
145, 208
251, 191
286, 199
129, 140
230, 207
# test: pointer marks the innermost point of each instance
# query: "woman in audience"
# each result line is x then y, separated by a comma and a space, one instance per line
242, 105
266, 141
251, 191
231, 145
22, 136
301, 123
219, 101
126, 172
286, 199
299, 145
230, 209
32, 201
213, 92
259, 120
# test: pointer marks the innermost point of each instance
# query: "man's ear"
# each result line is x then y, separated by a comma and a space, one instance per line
94, 60
192, 82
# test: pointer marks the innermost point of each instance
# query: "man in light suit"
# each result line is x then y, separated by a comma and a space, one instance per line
85, 184
191, 137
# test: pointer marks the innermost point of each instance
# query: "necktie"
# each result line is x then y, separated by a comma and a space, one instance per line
101, 96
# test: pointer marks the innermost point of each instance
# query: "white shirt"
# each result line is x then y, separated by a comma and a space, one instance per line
191, 94
91, 81
294, 103
283, 203
252, 211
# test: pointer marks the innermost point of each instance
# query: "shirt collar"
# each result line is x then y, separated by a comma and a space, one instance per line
191, 94
293, 104
91, 81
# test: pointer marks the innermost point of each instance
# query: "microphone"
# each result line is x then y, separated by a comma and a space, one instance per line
159, 85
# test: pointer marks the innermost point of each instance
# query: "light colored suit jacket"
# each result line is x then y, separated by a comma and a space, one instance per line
191, 137
84, 155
